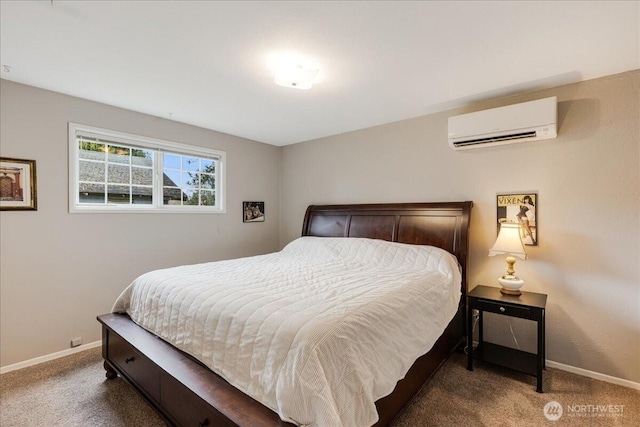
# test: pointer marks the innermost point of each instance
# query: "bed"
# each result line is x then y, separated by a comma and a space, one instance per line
185, 392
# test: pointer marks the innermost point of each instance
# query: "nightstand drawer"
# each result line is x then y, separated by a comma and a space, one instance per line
501, 308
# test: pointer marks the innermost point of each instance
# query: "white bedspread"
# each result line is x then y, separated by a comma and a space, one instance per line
317, 332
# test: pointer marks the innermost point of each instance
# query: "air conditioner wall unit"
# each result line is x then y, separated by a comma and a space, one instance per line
528, 121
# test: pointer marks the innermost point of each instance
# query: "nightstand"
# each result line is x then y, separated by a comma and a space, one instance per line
529, 306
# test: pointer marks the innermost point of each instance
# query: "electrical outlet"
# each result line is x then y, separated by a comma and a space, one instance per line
76, 341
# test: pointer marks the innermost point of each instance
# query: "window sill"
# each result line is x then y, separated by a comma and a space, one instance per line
144, 210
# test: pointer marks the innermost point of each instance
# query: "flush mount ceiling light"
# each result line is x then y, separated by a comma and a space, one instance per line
297, 73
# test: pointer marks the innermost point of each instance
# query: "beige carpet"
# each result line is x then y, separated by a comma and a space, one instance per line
73, 391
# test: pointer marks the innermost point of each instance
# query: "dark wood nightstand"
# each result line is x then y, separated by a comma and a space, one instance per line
529, 306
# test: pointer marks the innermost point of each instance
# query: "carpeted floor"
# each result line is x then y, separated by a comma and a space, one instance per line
73, 391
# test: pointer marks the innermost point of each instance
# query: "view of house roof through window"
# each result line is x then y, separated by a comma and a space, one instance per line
107, 174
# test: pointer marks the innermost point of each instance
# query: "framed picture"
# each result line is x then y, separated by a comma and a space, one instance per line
252, 211
17, 185
522, 209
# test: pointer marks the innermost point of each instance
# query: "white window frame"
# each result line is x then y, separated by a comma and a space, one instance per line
158, 146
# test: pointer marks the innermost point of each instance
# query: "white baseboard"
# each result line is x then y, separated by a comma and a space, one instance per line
48, 357
594, 375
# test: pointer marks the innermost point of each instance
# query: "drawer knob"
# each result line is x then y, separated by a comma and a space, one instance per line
129, 359
204, 423
502, 310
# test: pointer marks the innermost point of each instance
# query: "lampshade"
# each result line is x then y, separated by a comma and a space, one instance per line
508, 241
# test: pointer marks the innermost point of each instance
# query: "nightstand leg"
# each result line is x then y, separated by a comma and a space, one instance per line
481, 333
469, 337
540, 363
544, 342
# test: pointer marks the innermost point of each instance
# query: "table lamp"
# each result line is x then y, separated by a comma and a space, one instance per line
509, 243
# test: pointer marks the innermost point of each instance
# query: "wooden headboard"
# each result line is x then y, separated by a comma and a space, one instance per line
445, 225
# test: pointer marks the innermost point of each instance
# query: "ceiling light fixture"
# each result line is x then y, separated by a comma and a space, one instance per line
296, 73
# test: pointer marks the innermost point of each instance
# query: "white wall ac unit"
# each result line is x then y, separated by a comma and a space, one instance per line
528, 121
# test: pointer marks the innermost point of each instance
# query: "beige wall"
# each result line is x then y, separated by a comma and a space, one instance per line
588, 259
59, 270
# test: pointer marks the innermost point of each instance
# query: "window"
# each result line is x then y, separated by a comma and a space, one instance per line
116, 172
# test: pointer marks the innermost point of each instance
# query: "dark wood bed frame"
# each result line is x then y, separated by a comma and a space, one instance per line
185, 393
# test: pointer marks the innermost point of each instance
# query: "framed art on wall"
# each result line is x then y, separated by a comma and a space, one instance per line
521, 209
17, 185
252, 211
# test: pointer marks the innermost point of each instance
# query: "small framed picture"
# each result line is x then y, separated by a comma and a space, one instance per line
520, 209
252, 211
17, 185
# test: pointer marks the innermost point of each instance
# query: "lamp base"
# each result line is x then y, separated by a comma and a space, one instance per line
510, 285
510, 292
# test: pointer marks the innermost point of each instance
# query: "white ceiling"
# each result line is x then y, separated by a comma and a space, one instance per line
207, 63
